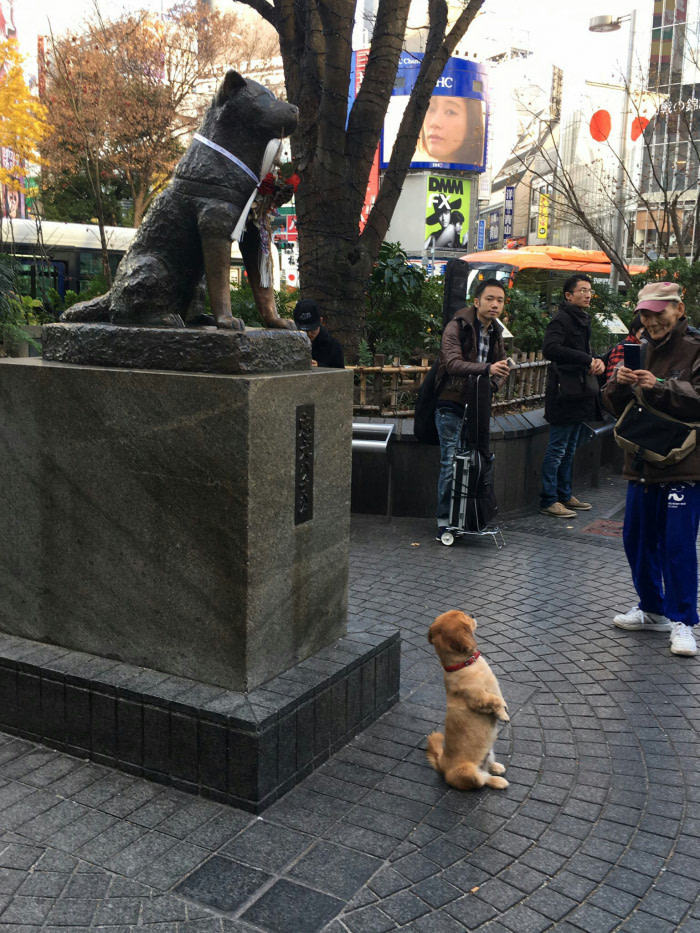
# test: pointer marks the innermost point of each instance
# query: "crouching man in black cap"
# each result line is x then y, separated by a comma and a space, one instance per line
325, 350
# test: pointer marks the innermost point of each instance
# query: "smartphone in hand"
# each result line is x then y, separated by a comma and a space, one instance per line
632, 355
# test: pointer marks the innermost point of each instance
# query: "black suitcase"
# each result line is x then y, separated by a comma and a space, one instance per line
473, 504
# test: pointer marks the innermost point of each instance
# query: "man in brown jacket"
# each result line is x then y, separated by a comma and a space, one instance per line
472, 344
663, 503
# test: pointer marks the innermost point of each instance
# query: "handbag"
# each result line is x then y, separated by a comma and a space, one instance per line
651, 436
575, 382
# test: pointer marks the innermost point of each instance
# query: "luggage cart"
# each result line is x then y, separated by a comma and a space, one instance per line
450, 535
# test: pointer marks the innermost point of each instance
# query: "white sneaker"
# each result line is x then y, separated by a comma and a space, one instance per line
683, 640
636, 620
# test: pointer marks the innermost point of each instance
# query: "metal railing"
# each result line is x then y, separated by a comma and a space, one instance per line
390, 390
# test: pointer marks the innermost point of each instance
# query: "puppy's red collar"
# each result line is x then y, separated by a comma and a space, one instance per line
458, 667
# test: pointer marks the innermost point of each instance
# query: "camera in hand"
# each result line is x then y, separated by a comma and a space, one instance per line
632, 355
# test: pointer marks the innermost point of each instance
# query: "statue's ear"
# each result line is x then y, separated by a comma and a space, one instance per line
232, 82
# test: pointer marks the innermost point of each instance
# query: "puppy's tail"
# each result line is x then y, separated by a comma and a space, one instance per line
436, 741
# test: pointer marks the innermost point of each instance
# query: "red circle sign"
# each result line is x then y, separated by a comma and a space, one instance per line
600, 125
639, 124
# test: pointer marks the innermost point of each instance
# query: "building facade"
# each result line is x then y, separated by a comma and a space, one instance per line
668, 223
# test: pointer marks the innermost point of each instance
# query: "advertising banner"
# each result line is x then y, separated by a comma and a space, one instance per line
11, 200
508, 212
359, 64
543, 217
494, 226
480, 234
455, 127
447, 212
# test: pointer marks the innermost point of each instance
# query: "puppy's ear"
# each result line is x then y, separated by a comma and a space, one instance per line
459, 640
469, 621
232, 82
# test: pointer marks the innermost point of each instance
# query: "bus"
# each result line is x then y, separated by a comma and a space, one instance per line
66, 256
541, 270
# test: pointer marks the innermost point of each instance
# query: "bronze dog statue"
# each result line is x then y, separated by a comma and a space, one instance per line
186, 233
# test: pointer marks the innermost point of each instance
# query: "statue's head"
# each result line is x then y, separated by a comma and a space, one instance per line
264, 115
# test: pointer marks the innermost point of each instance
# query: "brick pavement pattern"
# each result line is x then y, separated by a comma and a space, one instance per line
598, 830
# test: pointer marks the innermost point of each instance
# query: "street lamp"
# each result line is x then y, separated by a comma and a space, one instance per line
612, 24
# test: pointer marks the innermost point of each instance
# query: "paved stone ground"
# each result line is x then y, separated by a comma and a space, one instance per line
598, 830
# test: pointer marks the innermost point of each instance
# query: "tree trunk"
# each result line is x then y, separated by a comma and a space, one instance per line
333, 149
140, 206
94, 172
335, 274
334, 261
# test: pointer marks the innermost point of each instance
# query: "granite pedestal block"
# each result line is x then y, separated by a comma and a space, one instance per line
193, 524
244, 749
200, 350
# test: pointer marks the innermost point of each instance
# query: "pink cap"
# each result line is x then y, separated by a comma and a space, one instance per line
656, 295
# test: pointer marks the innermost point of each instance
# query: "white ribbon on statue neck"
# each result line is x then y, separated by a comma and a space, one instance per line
229, 155
270, 156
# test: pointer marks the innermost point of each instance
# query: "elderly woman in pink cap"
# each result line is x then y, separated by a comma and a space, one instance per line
663, 501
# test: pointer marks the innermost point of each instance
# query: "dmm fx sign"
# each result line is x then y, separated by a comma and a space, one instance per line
543, 217
445, 184
447, 212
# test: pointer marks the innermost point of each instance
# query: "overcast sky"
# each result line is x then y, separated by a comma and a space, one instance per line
556, 29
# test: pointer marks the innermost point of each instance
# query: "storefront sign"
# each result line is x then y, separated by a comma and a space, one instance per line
508, 212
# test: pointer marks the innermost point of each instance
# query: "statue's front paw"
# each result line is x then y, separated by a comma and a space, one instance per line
228, 322
284, 323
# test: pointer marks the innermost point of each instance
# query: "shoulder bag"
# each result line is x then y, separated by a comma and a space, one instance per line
575, 382
651, 436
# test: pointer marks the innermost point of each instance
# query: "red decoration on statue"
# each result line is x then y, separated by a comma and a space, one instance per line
267, 185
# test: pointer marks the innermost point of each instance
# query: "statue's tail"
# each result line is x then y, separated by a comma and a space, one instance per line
97, 309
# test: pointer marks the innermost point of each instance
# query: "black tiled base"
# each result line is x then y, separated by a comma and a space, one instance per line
246, 749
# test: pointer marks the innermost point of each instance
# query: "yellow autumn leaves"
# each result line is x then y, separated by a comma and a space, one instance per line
22, 116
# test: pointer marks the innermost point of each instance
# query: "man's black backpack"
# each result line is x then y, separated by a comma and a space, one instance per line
424, 415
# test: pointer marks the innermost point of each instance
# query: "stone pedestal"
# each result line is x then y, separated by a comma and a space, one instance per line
194, 524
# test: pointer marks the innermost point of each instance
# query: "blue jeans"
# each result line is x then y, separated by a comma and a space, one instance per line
558, 463
449, 427
660, 534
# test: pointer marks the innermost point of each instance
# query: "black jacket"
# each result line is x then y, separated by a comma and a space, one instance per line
327, 351
567, 341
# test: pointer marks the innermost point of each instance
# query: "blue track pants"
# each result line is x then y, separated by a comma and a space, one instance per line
660, 535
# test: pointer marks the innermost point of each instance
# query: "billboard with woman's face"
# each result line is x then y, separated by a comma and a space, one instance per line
454, 130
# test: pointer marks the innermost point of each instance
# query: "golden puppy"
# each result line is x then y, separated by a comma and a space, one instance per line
475, 707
